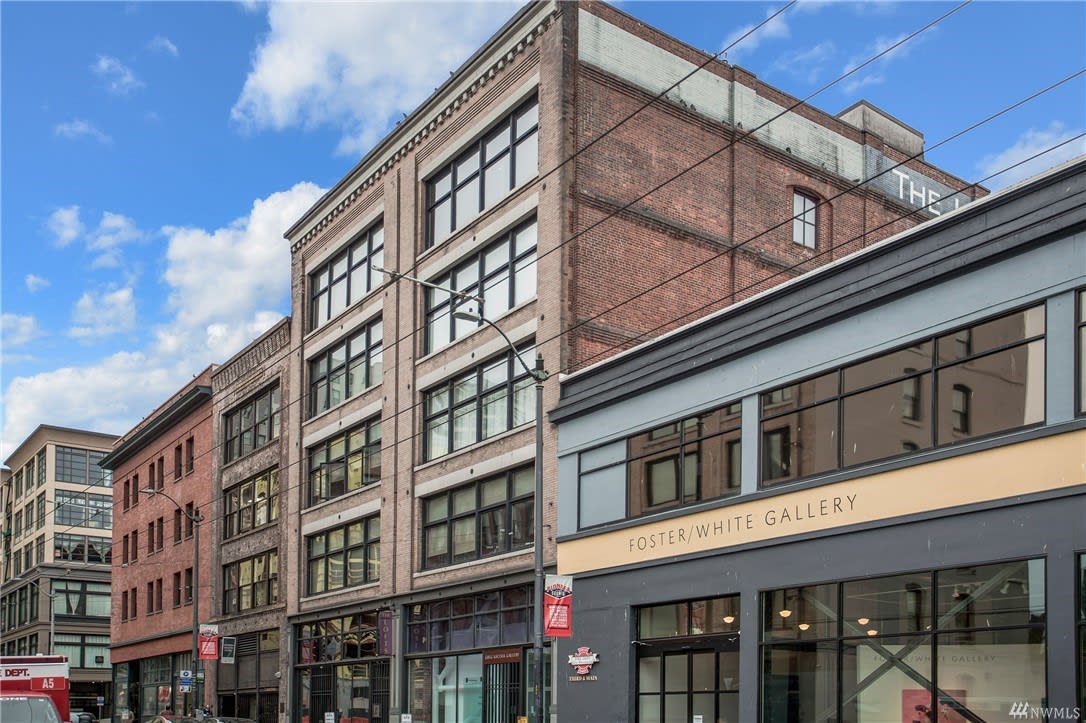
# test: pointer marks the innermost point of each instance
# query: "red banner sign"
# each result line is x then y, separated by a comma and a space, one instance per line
209, 642
558, 606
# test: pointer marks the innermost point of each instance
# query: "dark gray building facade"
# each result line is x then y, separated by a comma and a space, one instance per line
860, 496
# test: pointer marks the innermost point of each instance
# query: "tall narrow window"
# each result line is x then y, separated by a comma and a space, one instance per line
190, 454
910, 402
177, 462
804, 220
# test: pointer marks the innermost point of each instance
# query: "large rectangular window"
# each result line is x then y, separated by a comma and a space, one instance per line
249, 505
486, 619
863, 650
679, 463
83, 509
252, 425
85, 599
84, 651
503, 274
84, 548
506, 157
345, 463
347, 278
251, 583
80, 466
345, 556
478, 520
474, 406
977, 381
346, 370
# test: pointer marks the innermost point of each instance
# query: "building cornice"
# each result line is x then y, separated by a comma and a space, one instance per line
187, 403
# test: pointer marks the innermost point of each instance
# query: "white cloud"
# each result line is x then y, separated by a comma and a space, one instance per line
775, 29
874, 72
119, 78
163, 44
313, 69
103, 314
101, 397
17, 330
214, 316
114, 230
65, 225
1029, 144
807, 64
35, 283
77, 129
221, 312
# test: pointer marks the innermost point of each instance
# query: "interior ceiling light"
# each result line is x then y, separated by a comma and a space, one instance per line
729, 619
872, 632
804, 626
785, 613
863, 621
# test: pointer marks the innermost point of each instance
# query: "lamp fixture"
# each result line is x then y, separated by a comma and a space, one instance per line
804, 627
785, 613
863, 621
872, 632
729, 619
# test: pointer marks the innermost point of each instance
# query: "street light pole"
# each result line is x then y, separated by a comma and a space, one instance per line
195, 518
539, 374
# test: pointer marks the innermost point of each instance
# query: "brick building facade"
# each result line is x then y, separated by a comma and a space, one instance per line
162, 498
547, 177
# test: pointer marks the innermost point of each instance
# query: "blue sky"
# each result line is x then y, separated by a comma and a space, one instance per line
152, 154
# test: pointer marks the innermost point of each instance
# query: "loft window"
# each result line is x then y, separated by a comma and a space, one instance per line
804, 220
347, 278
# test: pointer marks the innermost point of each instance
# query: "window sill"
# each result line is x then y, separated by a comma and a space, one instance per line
472, 563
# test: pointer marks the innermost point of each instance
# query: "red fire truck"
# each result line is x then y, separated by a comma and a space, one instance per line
34, 677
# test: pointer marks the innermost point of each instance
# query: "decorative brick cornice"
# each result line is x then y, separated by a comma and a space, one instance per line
437, 121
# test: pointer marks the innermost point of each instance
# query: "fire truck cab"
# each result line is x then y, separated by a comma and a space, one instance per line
34, 689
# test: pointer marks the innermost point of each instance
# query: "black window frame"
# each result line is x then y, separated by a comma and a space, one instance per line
364, 349
517, 384
470, 166
480, 275
236, 425
240, 516
319, 553
234, 589
337, 468
515, 508
352, 266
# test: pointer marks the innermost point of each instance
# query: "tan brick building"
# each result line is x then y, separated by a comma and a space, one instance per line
162, 495
57, 538
547, 176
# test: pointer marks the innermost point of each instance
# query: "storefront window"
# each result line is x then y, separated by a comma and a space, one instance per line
1082, 628
340, 672
688, 661
875, 640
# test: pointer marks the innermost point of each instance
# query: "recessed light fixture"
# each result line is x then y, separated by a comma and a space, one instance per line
804, 626
785, 613
863, 621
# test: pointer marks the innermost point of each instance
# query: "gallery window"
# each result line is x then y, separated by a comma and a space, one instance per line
503, 273
347, 278
507, 156
252, 425
478, 520
345, 556
687, 461
83, 509
866, 647
875, 409
344, 463
479, 404
804, 220
80, 466
346, 370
